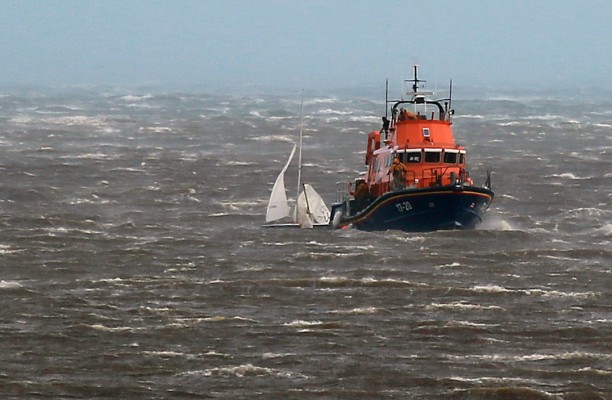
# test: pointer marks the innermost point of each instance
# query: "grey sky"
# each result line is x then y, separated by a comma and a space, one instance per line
306, 43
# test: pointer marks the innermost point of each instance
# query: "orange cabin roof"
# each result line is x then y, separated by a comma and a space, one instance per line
422, 133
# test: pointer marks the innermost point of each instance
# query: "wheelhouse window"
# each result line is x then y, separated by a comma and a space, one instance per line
412, 157
451, 156
432, 155
462, 157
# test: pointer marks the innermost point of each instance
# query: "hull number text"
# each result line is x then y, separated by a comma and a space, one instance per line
404, 206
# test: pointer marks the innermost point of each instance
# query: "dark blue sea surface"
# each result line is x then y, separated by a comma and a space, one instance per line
133, 263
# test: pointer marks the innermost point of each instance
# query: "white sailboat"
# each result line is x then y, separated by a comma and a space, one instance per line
310, 210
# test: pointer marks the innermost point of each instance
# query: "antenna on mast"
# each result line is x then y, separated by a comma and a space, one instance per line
387, 98
450, 98
415, 81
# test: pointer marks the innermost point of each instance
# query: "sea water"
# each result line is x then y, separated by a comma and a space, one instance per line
133, 263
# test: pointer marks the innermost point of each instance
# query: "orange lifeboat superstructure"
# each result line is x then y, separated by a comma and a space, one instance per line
432, 189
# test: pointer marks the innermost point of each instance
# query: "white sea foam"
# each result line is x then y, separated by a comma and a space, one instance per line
132, 97
490, 289
510, 123
494, 222
596, 371
100, 327
273, 138
76, 120
329, 111
10, 284
567, 175
168, 354
605, 230
558, 294
245, 371
410, 238
469, 116
575, 355
471, 324
461, 305
592, 212
6, 249
324, 100
504, 380
365, 118
21, 120
360, 311
269, 356
450, 265
224, 318
94, 156
531, 292
303, 324
155, 129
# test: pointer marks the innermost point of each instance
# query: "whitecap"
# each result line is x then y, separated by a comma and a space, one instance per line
360, 311
132, 97
245, 371
461, 305
329, 111
327, 100
410, 238
223, 318
471, 324
495, 223
302, 324
596, 371
155, 129
365, 118
558, 294
100, 327
5, 249
168, 354
80, 120
337, 280
567, 175
451, 265
469, 116
276, 355
273, 138
240, 163
93, 156
605, 230
490, 289
10, 285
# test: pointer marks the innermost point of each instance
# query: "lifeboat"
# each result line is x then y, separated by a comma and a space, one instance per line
417, 178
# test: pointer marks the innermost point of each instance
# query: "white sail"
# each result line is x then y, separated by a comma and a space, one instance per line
278, 206
319, 212
301, 215
310, 208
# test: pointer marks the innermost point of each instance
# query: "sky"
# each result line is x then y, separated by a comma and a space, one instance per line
305, 43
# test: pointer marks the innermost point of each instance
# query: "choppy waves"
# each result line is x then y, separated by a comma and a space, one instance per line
134, 264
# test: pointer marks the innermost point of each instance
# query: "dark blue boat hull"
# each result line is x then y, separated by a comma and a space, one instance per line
418, 210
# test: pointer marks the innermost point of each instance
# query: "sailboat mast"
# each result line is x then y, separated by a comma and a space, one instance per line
299, 185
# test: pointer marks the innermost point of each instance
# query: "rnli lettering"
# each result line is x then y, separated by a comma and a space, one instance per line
404, 206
